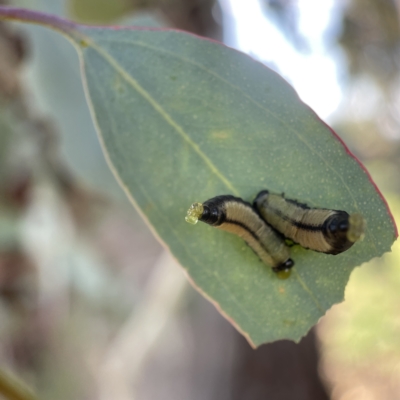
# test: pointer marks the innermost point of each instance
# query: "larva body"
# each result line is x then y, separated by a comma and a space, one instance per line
236, 216
323, 230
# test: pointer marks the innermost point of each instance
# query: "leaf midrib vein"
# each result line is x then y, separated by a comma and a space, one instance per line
163, 113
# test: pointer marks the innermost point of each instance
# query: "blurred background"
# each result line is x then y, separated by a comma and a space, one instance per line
91, 307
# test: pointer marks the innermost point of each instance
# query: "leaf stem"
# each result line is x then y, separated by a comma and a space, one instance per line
13, 389
35, 17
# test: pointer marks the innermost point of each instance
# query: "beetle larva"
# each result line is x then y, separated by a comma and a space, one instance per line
319, 229
234, 215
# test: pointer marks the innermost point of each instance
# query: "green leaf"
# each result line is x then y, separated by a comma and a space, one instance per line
184, 119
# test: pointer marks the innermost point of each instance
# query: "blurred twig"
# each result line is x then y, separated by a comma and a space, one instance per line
124, 360
13, 389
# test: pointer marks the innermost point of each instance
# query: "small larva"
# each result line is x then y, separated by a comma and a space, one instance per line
319, 229
234, 215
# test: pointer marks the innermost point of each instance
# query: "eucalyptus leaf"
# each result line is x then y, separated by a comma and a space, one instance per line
184, 119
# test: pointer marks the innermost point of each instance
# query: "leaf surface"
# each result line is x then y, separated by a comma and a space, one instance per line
184, 119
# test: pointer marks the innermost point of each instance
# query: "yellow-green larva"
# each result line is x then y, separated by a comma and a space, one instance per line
234, 215
319, 229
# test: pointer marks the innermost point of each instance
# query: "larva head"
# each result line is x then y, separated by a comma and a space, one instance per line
209, 212
343, 230
194, 213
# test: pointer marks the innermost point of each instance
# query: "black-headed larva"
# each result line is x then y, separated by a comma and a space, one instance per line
234, 215
319, 229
